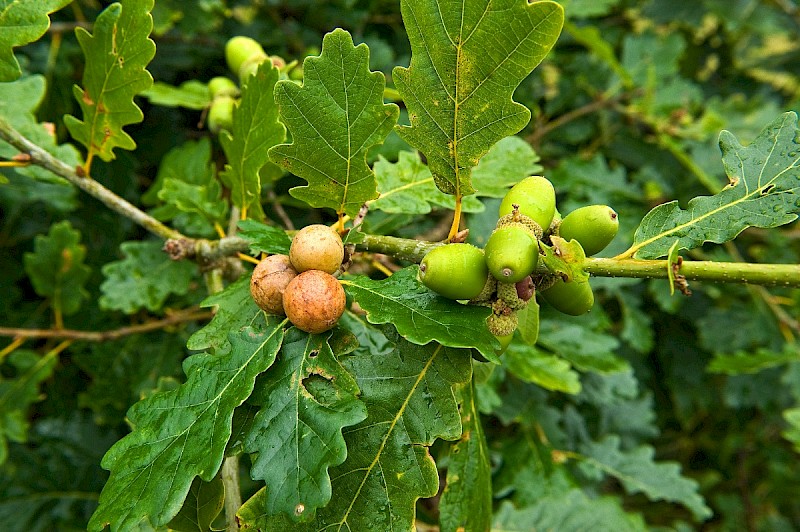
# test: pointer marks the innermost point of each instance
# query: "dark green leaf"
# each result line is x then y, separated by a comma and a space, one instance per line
467, 58
764, 191
116, 57
202, 505
144, 278
181, 434
21, 391
639, 473
264, 238
334, 118
307, 398
585, 349
189, 163
466, 502
545, 495
256, 129
56, 268
53, 482
410, 399
204, 200
420, 314
22, 22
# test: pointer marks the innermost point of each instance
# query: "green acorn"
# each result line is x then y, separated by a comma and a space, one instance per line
573, 298
593, 226
456, 271
511, 254
535, 197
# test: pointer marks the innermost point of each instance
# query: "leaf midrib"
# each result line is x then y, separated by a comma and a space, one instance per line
747, 197
385, 440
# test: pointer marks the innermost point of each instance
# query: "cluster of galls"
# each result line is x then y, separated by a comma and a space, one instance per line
301, 286
504, 275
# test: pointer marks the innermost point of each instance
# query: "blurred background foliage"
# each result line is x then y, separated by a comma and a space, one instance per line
626, 111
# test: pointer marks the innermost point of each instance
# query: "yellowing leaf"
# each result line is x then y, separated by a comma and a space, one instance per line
467, 59
116, 56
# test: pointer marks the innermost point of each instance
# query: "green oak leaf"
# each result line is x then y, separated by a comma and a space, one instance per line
764, 191
564, 258
529, 322
203, 200
186, 190
409, 392
19, 392
144, 278
466, 502
583, 348
569, 509
203, 504
264, 238
334, 118
407, 186
22, 22
467, 58
235, 309
307, 398
181, 434
792, 433
747, 362
19, 101
192, 94
256, 129
116, 59
639, 473
56, 268
534, 365
508, 161
420, 314
189, 162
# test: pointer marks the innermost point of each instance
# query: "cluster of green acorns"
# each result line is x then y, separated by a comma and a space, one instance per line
243, 55
504, 275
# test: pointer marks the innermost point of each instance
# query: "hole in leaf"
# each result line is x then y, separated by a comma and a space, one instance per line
321, 389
